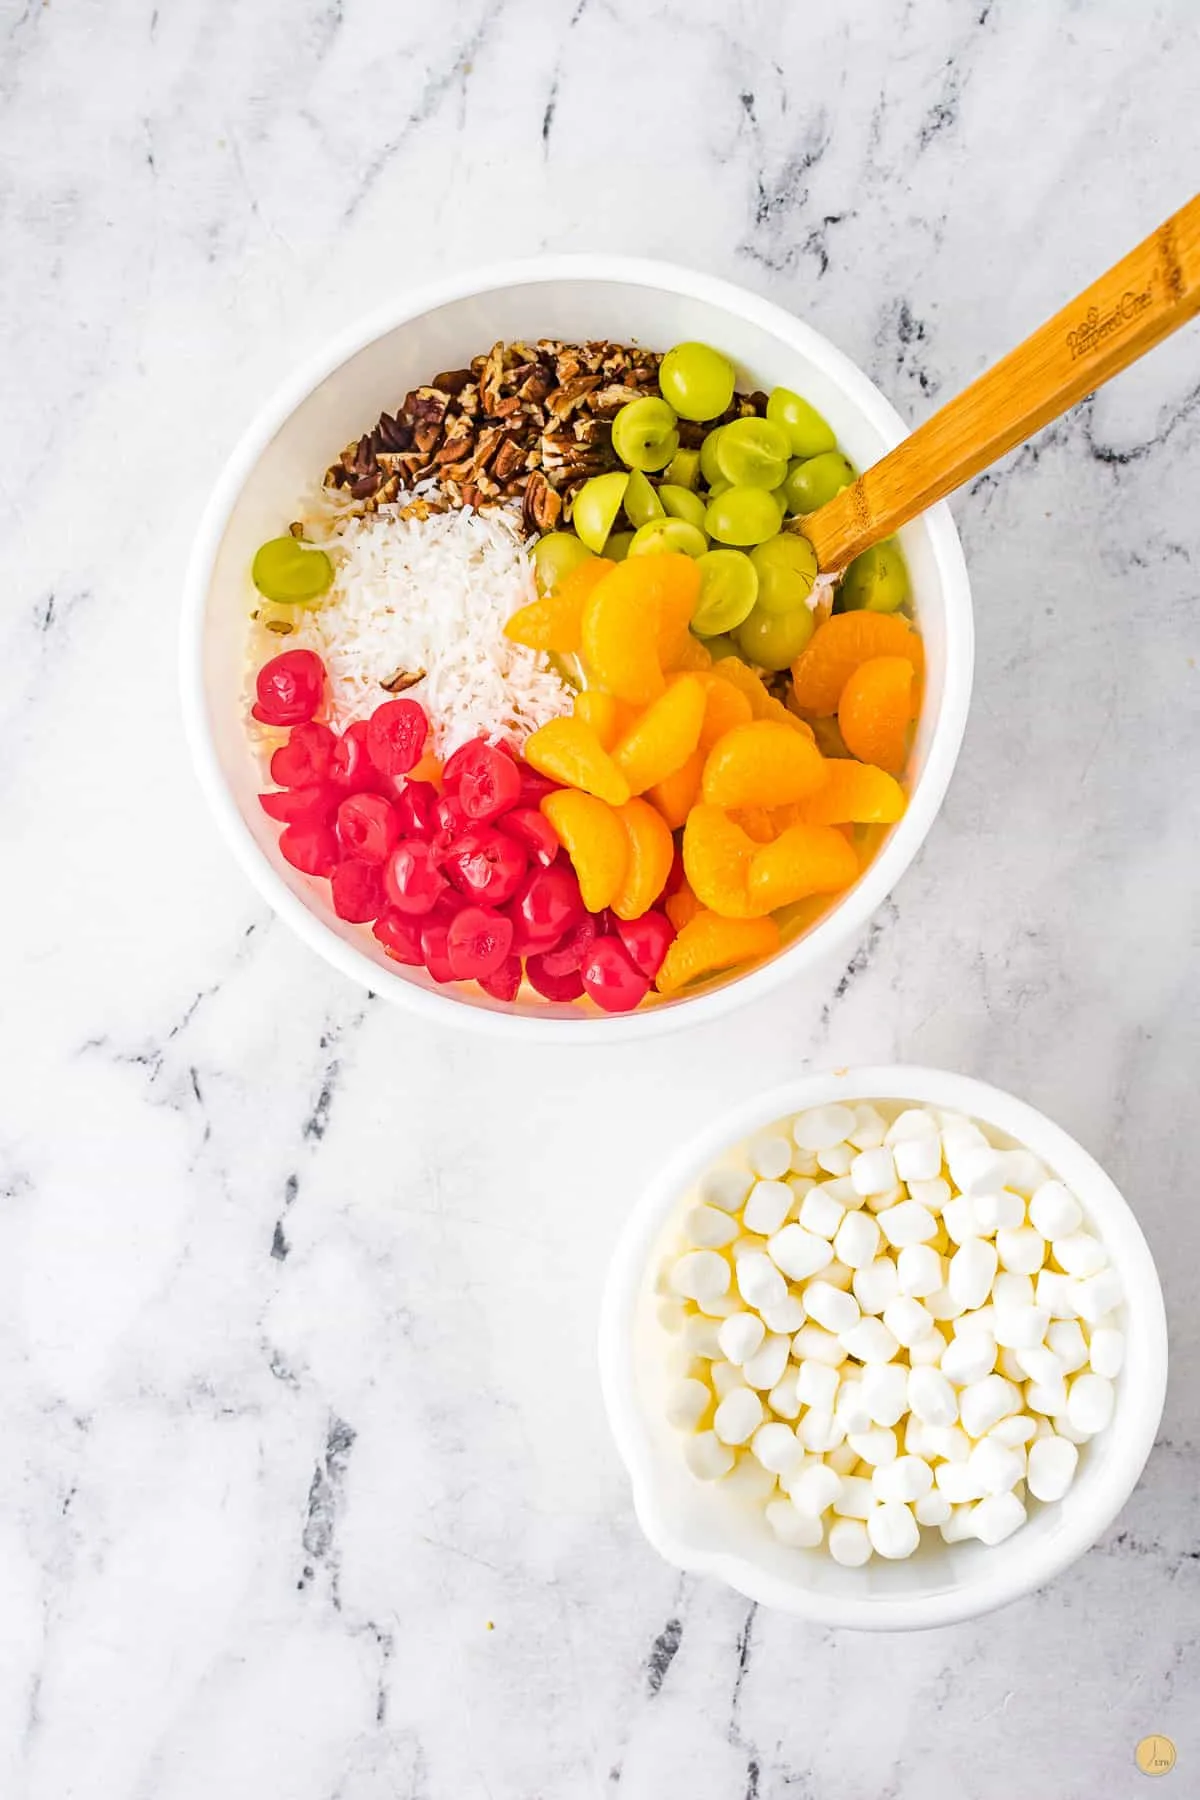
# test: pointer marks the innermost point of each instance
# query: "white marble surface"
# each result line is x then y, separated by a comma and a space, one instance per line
306, 1490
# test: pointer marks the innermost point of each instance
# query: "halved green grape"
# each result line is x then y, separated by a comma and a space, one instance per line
753, 453
644, 434
555, 555
787, 567
697, 380
807, 432
722, 644
774, 640
742, 515
728, 588
708, 456
817, 479
681, 503
617, 547
293, 573
717, 488
683, 470
641, 500
596, 507
668, 534
876, 581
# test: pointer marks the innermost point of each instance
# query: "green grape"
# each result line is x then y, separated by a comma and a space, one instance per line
753, 453
807, 432
617, 547
742, 515
596, 507
718, 488
787, 568
681, 503
721, 645
708, 456
774, 640
644, 434
876, 581
683, 468
728, 587
697, 380
555, 555
641, 501
668, 534
817, 479
288, 571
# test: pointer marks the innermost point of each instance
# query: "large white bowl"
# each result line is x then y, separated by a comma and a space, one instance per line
702, 1527
341, 393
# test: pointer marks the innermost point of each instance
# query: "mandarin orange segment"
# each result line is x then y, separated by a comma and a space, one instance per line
651, 853
569, 751
836, 649
707, 943
664, 737
596, 841
681, 906
852, 793
676, 796
724, 707
758, 822
803, 860
692, 655
717, 855
762, 704
876, 710
555, 621
636, 621
673, 586
608, 717
762, 764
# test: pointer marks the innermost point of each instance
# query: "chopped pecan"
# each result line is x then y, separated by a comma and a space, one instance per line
542, 507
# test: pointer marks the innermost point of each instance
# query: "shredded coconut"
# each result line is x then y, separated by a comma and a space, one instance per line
430, 594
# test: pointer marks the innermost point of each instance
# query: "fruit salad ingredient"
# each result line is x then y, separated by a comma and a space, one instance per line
786, 567
569, 751
291, 572
742, 515
596, 507
478, 942
807, 433
681, 503
717, 857
803, 860
696, 380
368, 827
875, 710
675, 796
724, 707
357, 891
636, 619
668, 534
707, 944
412, 878
555, 621
642, 500
486, 780
289, 688
305, 757
852, 793
596, 841
836, 649
876, 581
396, 734
310, 847
612, 978
664, 736
816, 480
752, 453
555, 555
560, 988
728, 590
762, 764
647, 940
644, 434
774, 640
484, 864
650, 853
546, 906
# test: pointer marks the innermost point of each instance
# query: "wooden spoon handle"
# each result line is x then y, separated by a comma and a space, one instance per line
1142, 299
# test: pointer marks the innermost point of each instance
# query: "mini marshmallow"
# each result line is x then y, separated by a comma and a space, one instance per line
876, 1283
1008, 1366
821, 1212
877, 1203
870, 1128
707, 1457
726, 1188
856, 1499
709, 1226
804, 1162
701, 1336
978, 1169
799, 1253
927, 1350
815, 1343
997, 1517
851, 1409
957, 1483
996, 1212
943, 1305
1022, 1250
738, 1416
981, 1319
750, 1483
700, 1275
933, 1194
770, 1155
915, 1438
905, 1479
873, 1172
1024, 1171
783, 1399
822, 1127
740, 1335
849, 1544
817, 1385
1012, 1290
786, 1315
961, 1218
893, 1531
1049, 1397
995, 1466
857, 1240
759, 1281
777, 1447
1020, 1327
1106, 1352
1053, 1291
969, 1358
932, 1398
1052, 1465
830, 1307
1079, 1253
817, 1488
907, 1223
885, 1392
907, 1320
982, 1404
802, 1531
1090, 1400
722, 1308
870, 1341
838, 1275
1064, 1428
768, 1206
959, 1526
972, 1271
1015, 1431
765, 1368
687, 1404
1096, 1295
913, 1122
932, 1508
878, 1445
725, 1377
836, 1160
1039, 1363
918, 1158
749, 1241
919, 1270
820, 1432
1054, 1211
841, 1189
672, 1316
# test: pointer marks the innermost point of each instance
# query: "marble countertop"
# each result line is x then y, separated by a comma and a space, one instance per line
306, 1491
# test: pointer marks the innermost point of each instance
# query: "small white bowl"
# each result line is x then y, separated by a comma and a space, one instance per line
699, 1527
341, 392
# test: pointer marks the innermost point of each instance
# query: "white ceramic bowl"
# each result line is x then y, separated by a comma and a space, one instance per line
341, 393
700, 1527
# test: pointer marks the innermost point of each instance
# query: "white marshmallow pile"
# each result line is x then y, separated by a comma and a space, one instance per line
887, 1323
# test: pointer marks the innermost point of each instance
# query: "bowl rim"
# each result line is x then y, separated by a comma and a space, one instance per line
1008, 1575
877, 881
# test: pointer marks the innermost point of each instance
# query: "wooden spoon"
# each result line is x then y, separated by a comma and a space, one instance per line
1141, 300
